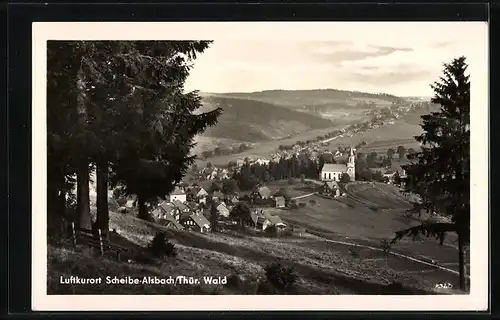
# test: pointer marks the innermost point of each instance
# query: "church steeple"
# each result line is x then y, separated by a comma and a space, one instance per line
351, 164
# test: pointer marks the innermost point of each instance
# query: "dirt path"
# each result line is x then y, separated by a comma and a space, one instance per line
304, 196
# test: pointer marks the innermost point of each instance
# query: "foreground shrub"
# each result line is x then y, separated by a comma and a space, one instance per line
355, 251
122, 201
281, 277
160, 246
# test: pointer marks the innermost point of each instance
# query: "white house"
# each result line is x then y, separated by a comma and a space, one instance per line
178, 194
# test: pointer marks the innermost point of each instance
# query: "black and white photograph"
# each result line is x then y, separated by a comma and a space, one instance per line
314, 162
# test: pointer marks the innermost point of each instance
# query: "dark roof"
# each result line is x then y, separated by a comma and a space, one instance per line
166, 207
180, 205
192, 205
170, 219
218, 194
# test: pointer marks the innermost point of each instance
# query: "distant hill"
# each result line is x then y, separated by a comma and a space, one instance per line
253, 121
326, 103
301, 98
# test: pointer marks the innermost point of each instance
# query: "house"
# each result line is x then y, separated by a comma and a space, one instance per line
233, 200
333, 171
280, 202
223, 210
262, 223
217, 196
196, 222
262, 193
197, 193
331, 188
169, 221
193, 207
177, 194
183, 208
276, 222
167, 208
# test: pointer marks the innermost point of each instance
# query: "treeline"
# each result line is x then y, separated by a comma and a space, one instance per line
252, 174
118, 108
219, 151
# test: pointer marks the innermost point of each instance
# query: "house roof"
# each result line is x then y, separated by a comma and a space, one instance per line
264, 192
180, 205
332, 184
192, 205
275, 220
169, 218
166, 207
218, 194
200, 220
334, 167
177, 192
254, 217
221, 204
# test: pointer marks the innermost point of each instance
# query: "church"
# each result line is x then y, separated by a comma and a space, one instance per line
333, 171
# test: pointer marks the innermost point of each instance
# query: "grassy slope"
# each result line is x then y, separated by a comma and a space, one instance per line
324, 268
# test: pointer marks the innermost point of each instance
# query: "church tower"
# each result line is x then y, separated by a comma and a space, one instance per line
351, 165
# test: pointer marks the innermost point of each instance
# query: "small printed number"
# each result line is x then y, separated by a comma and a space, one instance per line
444, 285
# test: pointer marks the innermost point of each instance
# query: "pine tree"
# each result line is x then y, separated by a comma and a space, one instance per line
439, 173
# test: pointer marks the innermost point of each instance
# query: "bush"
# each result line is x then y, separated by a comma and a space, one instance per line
355, 251
280, 277
312, 202
160, 246
302, 205
293, 205
122, 201
271, 231
113, 205
291, 181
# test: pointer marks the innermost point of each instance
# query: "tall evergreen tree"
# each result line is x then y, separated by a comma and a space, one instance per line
439, 173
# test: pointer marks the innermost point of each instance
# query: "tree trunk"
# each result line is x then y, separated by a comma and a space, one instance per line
461, 263
53, 212
102, 195
83, 219
143, 210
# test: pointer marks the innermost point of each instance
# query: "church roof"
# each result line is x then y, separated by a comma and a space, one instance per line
333, 167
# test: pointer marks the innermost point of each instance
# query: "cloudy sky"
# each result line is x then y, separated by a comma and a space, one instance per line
396, 58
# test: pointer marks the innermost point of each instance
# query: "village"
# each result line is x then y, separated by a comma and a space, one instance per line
193, 207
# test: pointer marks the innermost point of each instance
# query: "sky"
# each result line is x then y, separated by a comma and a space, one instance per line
382, 57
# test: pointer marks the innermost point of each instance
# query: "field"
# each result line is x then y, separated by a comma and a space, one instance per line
323, 258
